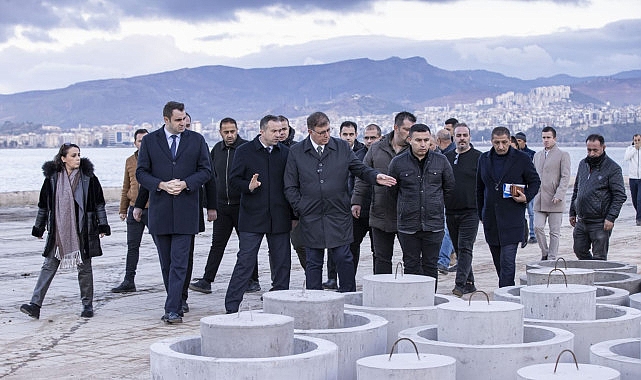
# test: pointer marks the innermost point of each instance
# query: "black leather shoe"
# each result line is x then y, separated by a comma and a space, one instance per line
442, 269
31, 309
330, 284
124, 287
254, 286
201, 285
87, 312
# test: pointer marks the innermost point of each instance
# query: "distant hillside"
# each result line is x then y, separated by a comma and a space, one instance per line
354, 87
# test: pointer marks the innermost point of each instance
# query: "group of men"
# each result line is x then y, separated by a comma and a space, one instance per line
325, 194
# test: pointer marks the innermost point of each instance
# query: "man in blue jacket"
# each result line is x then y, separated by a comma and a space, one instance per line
502, 214
258, 170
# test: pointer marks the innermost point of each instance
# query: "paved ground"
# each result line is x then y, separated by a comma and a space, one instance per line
115, 343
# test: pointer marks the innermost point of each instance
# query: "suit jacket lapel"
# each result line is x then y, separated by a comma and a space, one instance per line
164, 145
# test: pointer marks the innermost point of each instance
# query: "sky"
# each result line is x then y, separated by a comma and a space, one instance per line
53, 44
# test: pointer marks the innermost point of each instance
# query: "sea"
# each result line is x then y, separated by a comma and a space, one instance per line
22, 170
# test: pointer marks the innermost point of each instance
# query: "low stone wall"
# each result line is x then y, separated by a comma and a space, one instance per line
30, 198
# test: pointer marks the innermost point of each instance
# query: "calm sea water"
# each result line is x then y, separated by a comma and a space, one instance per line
22, 170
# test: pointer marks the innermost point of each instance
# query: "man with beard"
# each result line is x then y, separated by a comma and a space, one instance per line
597, 198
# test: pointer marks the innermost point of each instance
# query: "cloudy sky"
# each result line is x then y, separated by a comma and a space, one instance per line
52, 44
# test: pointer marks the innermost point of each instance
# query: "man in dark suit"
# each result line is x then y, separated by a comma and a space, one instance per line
257, 172
503, 213
173, 164
316, 187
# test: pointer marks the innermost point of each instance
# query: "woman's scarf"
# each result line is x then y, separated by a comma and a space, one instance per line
67, 241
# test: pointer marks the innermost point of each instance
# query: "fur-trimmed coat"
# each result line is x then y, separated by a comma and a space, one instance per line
90, 209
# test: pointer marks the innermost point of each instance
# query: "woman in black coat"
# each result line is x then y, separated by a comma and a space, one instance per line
72, 209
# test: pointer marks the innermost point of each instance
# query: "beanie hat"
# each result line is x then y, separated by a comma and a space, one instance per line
520, 136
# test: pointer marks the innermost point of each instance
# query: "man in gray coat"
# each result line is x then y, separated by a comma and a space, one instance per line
316, 186
553, 166
382, 212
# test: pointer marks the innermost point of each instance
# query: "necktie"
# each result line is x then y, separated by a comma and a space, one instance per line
320, 150
269, 149
173, 146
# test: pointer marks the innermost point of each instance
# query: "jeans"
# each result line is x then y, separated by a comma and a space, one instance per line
135, 231
361, 226
420, 252
48, 271
530, 213
342, 256
554, 219
635, 194
463, 227
383, 250
446, 250
226, 221
504, 257
280, 262
591, 234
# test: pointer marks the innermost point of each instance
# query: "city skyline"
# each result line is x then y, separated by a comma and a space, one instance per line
46, 45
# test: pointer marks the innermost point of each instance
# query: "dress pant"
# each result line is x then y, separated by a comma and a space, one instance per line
48, 271
635, 194
463, 226
226, 221
504, 257
173, 252
342, 257
554, 219
591, 234
299, 246
280, 262
360, 229
135, 231
420, 252
383, 250
190, 269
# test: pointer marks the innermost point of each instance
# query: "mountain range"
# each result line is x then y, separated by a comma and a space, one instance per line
352, 87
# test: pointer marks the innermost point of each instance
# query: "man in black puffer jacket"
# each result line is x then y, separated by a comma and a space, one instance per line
598, 195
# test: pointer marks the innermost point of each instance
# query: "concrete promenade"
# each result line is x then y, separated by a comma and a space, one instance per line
114, 344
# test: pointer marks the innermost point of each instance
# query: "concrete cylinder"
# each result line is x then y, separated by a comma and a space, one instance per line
573, 275
311, 309
559, 302
480, 322
402, 290
567, 371
628, 281
406, 367
595, 265
635, 301
624, 355
247, 335
604, 295
612, 322
179, 358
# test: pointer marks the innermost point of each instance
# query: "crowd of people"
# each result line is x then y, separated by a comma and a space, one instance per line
322, 195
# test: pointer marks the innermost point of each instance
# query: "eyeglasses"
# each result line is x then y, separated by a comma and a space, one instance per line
322, 133
456, 159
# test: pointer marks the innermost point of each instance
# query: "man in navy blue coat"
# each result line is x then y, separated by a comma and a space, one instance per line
257, 172
173, 164
503, 216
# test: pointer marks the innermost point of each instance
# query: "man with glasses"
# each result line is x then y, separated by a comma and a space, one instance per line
460, 211
315, 185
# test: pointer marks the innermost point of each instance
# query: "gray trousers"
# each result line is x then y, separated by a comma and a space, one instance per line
49, 269
554, 219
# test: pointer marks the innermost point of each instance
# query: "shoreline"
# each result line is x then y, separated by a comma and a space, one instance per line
30, 198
